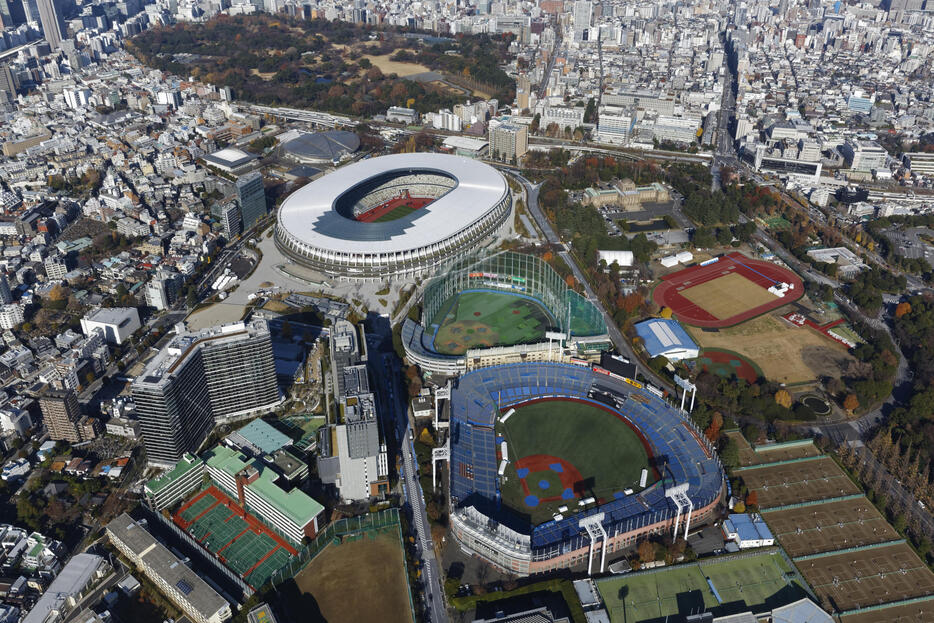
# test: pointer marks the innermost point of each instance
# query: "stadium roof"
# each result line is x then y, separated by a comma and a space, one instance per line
310, 216
322, 145
663, 335
229, 158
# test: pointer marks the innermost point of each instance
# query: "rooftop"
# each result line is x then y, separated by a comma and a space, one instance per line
662, 334
186, 464
73, 578
260, 435
295, 504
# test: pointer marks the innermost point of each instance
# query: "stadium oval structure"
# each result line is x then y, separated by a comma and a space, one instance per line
688, 492
398, 215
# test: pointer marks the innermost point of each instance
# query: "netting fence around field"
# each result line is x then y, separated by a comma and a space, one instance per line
349, 527
513, 273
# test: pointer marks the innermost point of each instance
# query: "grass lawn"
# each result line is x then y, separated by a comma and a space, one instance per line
400, 212
607, 454
484, 319
756, 583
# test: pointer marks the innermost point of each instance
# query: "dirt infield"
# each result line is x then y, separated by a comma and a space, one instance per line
829, 527
867, 577
361, 580
784, 352
726, 292
791, 483
721, 297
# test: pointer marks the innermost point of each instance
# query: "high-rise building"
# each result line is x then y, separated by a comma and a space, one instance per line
62, 415
52, 25
218, 374
523, 90
30, 11
7, 80
6, 294
252, 197
508, 141
583, 13
231, 219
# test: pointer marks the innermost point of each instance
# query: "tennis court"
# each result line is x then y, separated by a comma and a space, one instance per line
803, 480
481, 319
243, 543
756, 582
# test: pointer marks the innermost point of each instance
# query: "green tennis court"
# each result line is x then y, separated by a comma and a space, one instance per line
483, 319
747, 582
560, 451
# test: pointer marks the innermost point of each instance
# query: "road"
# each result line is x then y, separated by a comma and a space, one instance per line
619, 340
394, 415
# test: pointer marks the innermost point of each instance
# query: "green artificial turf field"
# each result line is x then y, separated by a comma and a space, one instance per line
755, 582
599, 455
484, 319
397, 213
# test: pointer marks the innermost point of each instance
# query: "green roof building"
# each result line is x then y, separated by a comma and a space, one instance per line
175, 484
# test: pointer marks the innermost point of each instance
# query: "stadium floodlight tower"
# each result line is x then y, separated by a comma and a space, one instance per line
439, 454
686, 386
442, 393
679, 495
594, 527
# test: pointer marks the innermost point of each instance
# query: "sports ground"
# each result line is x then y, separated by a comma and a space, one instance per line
730, 290
362, 579
481, 318
563, 450
395, 208
756, 582
243, 543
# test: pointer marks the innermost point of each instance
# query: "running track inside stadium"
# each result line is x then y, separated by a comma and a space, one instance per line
765, 274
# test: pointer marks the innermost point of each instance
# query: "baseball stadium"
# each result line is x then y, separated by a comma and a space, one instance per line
559, 465
498, 308
399, 215
727, 290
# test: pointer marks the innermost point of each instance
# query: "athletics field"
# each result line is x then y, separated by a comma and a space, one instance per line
480, 319
562, 450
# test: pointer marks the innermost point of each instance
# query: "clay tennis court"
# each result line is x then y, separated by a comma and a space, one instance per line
830, 526
867, 577
805, 481
725, 292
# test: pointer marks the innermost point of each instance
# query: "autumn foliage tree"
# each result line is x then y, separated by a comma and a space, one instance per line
902, 308
783, 398
646, 551
851, 402
713, 430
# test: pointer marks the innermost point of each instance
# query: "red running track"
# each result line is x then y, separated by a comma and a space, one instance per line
388, 206
668, 292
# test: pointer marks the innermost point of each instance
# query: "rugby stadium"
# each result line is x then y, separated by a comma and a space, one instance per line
504, 307
393, 216
558, 466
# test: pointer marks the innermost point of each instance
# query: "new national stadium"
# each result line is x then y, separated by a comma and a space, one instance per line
504, 307
559, 465
400, 215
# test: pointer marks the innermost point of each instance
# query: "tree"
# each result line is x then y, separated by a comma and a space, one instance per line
783, 398
739, 507
902, 308
646, 551
716, 423
665, 313
851, 402
752, 499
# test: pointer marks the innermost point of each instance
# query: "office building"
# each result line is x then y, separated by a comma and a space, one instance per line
614, 125
164, 289
508, 141
218, 374
231, 220
186, 589
351, 456
7, 80
583, 12
52, 25
252, 198
864, 155
920, 163
11, 316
